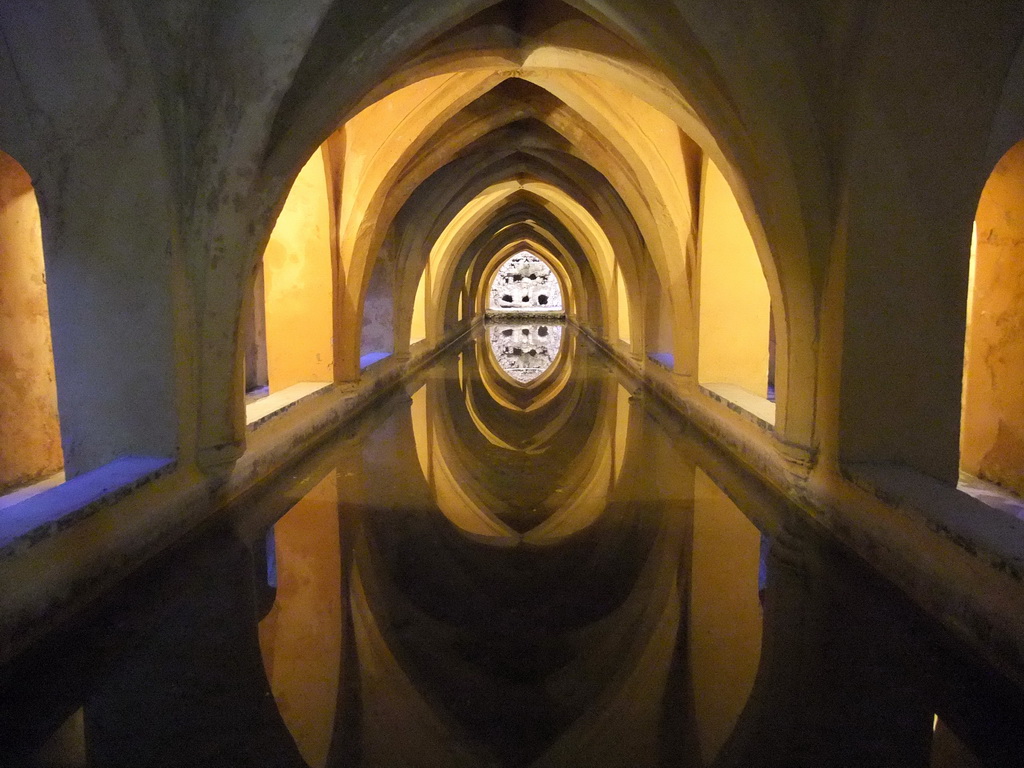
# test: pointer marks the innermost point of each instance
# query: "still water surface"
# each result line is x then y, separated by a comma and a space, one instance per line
517, 559
500, 574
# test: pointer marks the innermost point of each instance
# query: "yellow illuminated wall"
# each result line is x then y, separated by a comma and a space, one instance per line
418, 332
298, 284
658, 316
992, 435
29, 428
624, 330
734, 301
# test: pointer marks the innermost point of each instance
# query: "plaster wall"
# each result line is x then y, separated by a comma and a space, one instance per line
734, 300
92, 136
29, 428
658, 316
378, 332
992, 435
623, 303
298, 284
418, 332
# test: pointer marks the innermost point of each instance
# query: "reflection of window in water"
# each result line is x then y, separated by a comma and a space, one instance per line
524, 350
524, 283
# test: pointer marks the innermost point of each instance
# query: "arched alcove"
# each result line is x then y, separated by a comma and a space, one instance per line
290, 336
30, 440
418, 329
992, 430
525, 283
735, 305
658, 321
377, 338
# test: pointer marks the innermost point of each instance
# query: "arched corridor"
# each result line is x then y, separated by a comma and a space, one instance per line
669, 286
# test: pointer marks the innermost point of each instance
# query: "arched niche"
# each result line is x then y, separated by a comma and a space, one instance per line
418, 327
30, 440
553, 245
288, 334
525, 283
377, 336
735, 303
659, 320
992, 429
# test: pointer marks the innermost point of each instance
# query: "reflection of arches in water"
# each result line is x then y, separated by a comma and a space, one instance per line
300, 636
525, 283
512, 394
593, 654
524, 349
462, 433
578, 640
545, 684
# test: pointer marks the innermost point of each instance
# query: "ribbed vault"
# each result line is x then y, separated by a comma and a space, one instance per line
556, 113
